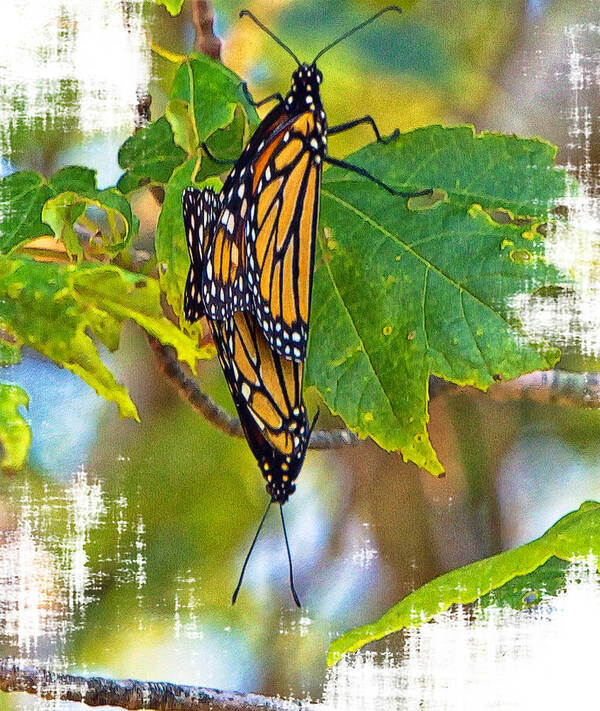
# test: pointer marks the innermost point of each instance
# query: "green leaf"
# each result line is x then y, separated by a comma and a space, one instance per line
525, 591
181, 120
51, 308
124, 295
75, 178
437, 281
212, 92
573, 537
70, 198
490, 169
61, 213
149, 156
108, 214
173, 6
22, 196
15, 434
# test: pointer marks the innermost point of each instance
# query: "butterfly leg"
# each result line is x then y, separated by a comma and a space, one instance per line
361, 171
251, 101
341, 127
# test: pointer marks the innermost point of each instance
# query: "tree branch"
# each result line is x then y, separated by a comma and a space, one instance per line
190, 390
545, 387
203, 17
132, 694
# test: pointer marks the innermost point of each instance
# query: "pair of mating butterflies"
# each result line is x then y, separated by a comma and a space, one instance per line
252, 257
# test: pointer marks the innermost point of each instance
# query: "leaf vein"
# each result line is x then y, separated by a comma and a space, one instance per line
366, 218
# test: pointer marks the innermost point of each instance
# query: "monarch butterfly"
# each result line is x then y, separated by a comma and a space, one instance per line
252, 258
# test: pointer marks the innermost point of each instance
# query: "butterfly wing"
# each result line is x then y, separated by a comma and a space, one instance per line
199, 211
225, 284
267, 392
283, 231
262, 254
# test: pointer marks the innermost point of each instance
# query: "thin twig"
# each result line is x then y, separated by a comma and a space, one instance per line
132, 694
190, 390
203, 17
558, 387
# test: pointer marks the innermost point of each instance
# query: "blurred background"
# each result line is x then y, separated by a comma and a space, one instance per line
121, 544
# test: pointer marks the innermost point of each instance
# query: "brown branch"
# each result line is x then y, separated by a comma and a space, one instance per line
203, 17
190, 390
545, 387
132, 694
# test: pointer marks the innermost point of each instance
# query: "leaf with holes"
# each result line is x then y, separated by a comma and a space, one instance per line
573, 537
68, 205
405, 288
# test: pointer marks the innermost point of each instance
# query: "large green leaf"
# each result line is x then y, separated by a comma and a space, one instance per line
573, 537
51, 308
149, 156
404, 288
32, 207
15, 435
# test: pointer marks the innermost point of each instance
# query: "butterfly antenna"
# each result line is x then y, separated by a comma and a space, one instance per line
287, 546
264, 28
390, 8
239, 585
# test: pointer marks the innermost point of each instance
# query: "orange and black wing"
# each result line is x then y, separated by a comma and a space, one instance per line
199, 211
262, 253
282, 237
267, 392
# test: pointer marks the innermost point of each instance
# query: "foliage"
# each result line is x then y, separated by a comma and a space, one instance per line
573, 537
30, 205
149, 156
436, 284
437, 276
173, 6
15, 435
51, 307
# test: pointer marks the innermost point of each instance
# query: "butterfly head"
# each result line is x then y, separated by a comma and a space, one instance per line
305, 90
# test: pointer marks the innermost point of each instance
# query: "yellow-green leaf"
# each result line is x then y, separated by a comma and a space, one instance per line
573, 537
